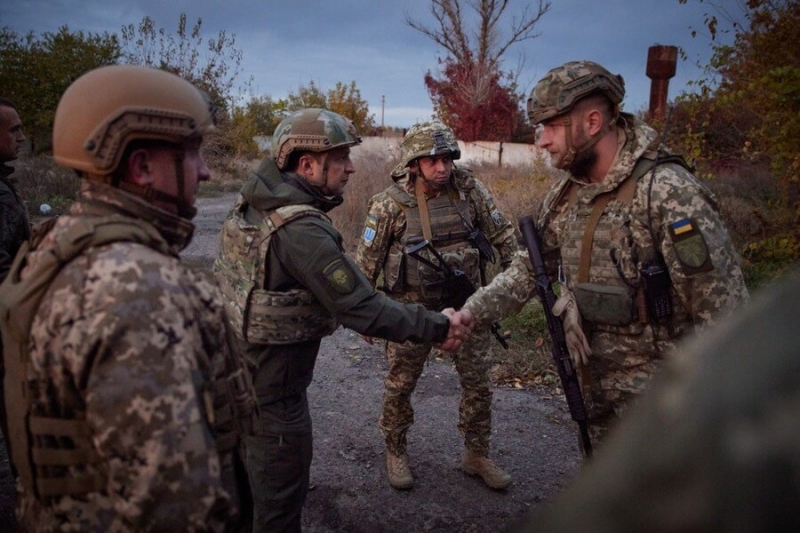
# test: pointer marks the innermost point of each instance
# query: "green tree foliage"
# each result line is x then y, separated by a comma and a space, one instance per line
344, 99
347, 101
306, 96
36, 70
474, 95
746, 117
753, 111
258, 117
213, 64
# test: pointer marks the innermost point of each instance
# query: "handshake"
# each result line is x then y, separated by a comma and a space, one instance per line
461, 325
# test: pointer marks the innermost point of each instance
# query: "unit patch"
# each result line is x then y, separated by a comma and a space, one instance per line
339, 276
497, 217
370, 230
690, 247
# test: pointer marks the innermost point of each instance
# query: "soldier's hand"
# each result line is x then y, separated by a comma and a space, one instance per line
567, 308
465, 318
368, 339
461, 326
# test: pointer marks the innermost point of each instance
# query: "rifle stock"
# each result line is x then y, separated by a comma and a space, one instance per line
563, 362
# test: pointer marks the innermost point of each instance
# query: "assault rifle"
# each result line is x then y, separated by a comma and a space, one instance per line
456, 285
566, 370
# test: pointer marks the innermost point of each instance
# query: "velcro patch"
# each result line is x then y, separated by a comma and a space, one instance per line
690, 247
497, 217
370, 230
339, 276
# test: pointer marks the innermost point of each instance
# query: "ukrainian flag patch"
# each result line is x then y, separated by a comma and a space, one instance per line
370, 230
497, 217
682, 226
690, 247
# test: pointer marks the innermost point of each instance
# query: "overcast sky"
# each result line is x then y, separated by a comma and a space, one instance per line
288, 43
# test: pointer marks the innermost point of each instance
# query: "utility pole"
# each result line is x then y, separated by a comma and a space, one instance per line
383, 104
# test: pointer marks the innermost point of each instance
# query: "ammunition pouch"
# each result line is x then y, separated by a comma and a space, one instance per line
605, 304
272, 317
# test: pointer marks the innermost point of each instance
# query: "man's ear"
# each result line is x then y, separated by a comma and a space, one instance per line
594, 121
305, 165
139, 167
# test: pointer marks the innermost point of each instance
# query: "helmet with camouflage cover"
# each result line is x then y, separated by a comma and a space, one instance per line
561, 88
426, 139
313, 130
107, 108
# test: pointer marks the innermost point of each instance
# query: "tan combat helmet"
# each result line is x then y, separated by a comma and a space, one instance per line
561, 88
107, 108
312, 130
426, 139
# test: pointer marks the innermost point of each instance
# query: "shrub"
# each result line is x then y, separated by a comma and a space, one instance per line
41, 181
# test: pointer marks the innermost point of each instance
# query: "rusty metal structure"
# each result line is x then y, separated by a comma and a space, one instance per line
661, 64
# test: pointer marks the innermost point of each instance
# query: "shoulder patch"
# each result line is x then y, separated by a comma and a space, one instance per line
339, 276
494, 212
370, 230
690, 247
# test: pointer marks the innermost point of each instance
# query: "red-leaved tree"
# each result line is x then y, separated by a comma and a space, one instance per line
475, 104
474, 96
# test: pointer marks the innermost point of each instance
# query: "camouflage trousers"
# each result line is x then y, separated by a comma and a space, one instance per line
617, 374
406, 362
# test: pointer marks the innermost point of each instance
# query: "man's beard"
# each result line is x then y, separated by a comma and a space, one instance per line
583, 163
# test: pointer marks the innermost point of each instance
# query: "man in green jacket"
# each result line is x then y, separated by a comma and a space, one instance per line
287, 283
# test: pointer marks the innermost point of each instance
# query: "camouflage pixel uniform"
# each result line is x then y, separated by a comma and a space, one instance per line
131, 345
392, 224
705, 270
714, 444
305, 257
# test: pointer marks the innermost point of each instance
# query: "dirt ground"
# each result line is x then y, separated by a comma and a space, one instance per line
532, 439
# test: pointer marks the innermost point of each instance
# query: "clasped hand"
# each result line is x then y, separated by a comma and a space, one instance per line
461, 325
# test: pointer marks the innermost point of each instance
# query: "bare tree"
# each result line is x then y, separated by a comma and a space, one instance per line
487, 45
475, 49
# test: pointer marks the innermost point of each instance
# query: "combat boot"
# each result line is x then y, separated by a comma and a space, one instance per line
397, 469
479, 465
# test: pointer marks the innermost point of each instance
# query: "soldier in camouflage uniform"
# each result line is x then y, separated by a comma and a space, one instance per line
457, 204
713, 446
287, 283
133, 405
642, 253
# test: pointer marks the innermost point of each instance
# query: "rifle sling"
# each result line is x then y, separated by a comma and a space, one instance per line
425, 218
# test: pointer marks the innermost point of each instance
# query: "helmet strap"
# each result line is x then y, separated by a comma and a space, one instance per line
151, 194
572, 150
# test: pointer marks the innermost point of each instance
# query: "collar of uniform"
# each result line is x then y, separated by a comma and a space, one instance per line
99, 199
638, 137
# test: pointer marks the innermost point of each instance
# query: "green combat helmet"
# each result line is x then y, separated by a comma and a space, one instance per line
426, 139
312, 130
561, 88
